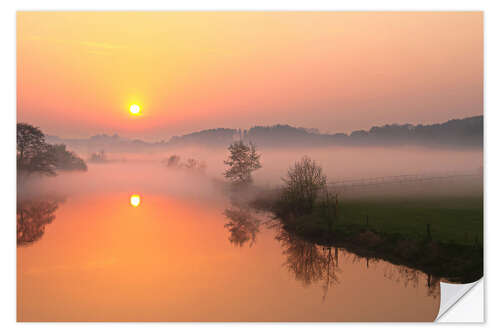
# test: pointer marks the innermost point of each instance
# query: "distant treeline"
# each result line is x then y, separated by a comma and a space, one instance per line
466, 133
459, 132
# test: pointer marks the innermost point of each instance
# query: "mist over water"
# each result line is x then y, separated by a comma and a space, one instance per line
133, 177
176, 242
141, 219
145, 172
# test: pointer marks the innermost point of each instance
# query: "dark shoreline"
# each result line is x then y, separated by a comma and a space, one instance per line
453, 261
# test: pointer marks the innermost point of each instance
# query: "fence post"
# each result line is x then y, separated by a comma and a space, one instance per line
429, 237
336, 206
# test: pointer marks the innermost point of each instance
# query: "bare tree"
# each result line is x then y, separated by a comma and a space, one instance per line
242, 161
303, 184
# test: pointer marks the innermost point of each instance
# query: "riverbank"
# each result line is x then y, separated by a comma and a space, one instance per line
440, 235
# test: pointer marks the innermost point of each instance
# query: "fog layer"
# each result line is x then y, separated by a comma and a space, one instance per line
146, 173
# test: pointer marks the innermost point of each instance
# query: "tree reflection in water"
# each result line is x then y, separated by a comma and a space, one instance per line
32, 217
243, 225
412, 277
433, 286
311, 263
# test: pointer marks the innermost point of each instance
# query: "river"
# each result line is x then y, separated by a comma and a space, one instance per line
90, 255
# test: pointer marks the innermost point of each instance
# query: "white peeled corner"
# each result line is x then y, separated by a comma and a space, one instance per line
467, 310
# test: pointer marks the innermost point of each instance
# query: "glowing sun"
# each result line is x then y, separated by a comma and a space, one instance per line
135, 200
135, 109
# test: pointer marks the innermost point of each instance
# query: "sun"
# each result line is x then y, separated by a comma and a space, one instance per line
135, 200
135, 109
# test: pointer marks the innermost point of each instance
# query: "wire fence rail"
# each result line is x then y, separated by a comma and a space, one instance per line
353, 184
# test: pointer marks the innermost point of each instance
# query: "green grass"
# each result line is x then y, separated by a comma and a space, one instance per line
397, 230
456, 220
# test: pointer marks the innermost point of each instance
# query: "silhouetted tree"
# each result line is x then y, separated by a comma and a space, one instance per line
33, 153
99, 157
303, 184
191, 164
242, 161
172, 161
194, 165
66, 160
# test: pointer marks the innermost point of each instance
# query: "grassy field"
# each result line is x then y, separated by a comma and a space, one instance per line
451, 219
453, 210
393, 227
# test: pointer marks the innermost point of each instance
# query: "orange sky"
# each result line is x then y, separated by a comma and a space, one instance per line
78, 72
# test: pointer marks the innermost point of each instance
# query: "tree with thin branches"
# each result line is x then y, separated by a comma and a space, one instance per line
303, 184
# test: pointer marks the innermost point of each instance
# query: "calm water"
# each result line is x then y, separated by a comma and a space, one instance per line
192, 256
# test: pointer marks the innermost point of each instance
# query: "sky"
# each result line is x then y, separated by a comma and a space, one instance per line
79, 72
